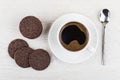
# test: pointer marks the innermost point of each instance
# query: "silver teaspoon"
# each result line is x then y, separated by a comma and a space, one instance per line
104, 19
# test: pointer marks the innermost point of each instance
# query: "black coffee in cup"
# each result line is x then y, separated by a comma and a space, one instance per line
74, 36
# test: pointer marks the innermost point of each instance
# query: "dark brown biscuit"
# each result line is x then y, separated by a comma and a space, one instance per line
22, 56
30, 27
39, 59
16, 44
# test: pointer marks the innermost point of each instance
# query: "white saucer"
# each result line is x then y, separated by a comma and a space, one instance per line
65, 55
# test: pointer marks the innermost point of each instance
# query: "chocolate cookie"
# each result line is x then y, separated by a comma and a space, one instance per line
30, 27
22, 56
16, 44
39, 59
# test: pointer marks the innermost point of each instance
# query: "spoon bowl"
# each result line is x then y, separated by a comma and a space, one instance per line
104, 16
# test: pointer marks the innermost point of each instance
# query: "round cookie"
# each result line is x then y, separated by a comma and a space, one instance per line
16, 44
30, 27
22, 56
39, 59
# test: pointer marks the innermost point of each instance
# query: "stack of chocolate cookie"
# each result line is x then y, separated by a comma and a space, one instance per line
19, 49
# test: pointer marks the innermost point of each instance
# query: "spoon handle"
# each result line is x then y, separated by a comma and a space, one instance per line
103, 51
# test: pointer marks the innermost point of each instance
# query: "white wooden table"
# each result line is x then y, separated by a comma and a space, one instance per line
12, 11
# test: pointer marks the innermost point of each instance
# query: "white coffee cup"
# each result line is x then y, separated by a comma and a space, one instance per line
72, 56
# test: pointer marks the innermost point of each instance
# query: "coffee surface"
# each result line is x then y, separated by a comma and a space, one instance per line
74, 36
